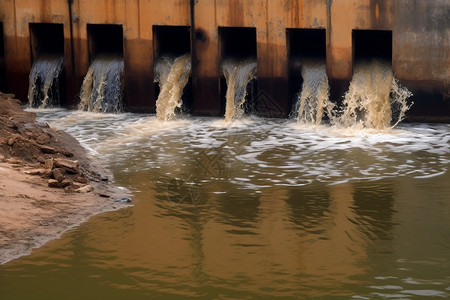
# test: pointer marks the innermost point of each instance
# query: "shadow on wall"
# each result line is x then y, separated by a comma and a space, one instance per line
2, 61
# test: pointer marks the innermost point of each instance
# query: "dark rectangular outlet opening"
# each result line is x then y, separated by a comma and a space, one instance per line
302, 45
368, 44
2, 61
47, 47
238, 44
46, 38
173, 41
105, 39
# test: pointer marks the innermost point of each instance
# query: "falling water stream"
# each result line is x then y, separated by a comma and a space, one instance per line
43, 90
372, 95
313, 99
102, 88
172, 74
375, 100
238, 74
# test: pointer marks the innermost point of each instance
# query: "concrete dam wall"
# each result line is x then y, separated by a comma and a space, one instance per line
414, 35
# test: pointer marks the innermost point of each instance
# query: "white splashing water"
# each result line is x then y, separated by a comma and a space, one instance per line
172, 76
43, 89
102, 88
375, 100
372, 95
238, 74
313, 99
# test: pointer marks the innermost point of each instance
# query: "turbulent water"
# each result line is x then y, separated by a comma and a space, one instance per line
258, 208
313, 99
253, 209
238, 74
102, 88
375, 100
372, 95
172, 76
43, 90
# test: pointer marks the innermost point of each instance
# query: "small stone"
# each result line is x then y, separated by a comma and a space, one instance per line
58, 174
66, 182
53, 183
48, 149
42, 124
43, 139
33, 172
104, 195
2, 157
84, 189
46, 173
103, 177
13, 139
77, 185
70, 166
81, 179
49, 164
123, 200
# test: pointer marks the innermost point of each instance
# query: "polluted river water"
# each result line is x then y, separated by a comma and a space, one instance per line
252, 209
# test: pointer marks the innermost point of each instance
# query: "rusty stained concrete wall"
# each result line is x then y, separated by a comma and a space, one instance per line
270, 18
137, 18
420, 54
420, 46
16, 16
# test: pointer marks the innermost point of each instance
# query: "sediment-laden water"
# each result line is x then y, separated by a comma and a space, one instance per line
253, 209
374, 99
43, 90
102, 88
238, 74
172, 75
313, 98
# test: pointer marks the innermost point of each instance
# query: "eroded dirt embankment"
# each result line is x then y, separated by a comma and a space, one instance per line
48, 184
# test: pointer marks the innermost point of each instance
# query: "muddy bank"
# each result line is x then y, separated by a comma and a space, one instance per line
48, 184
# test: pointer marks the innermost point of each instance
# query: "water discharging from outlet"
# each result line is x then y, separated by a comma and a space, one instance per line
102, 88
43, 89
374, 100
237, 74
172, 75
313, 99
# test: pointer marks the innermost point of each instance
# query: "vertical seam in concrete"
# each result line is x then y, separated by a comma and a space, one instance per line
329, 3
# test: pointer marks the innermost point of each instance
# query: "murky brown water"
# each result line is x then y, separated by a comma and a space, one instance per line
254, 210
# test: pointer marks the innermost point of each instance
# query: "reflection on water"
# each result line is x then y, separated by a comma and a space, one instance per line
258, 209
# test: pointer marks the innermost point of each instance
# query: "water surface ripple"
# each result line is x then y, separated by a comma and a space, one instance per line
255, 209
